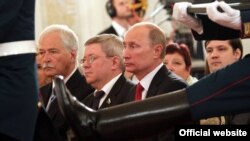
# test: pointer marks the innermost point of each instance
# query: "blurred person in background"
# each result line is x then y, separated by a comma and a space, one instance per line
43, 79
220, 53
119, 11
138, 8
178, 60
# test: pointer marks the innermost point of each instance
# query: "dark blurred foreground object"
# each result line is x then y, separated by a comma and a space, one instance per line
18, 82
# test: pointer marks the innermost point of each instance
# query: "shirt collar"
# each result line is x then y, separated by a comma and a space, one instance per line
118, 28
146, 81
67, 78
107, 88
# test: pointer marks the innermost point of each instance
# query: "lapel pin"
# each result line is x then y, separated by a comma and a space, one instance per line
109, 101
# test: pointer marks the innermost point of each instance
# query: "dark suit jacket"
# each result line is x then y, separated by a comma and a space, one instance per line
109, 30
163, 82
119, 94
45, 130
78, 86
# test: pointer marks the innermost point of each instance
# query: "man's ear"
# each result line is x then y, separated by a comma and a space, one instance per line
73, 54
115, 62
237, 54
158, 48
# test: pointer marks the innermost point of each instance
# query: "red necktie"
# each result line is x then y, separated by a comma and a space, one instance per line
139, 90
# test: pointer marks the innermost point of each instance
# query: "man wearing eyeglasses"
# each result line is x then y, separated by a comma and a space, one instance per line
58, 47
103, 68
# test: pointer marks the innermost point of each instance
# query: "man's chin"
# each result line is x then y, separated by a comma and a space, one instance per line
215, 69
130, 70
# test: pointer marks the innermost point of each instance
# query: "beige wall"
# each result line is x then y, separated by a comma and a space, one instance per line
246, 46
87, 18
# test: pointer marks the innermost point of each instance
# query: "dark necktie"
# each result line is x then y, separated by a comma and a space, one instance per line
97, 97
139, 89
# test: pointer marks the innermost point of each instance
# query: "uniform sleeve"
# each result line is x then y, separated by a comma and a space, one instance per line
17, 20
224, 92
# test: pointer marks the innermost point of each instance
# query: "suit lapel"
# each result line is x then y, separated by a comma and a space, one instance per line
155, 83
78, 86
53, 109
45, 93
112, 30
88, 100
47, 90
111, 99
72, 82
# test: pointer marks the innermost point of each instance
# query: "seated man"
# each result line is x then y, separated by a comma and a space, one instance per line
228, 94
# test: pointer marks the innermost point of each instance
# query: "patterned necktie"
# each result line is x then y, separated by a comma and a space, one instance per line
139, 89
51, 99
97, 97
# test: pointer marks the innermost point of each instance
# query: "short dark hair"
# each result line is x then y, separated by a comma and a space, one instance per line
235, 44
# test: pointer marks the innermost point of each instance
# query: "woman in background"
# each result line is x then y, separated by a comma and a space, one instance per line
178, 60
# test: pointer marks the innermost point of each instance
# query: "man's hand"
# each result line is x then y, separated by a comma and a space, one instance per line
180, 14
228, 17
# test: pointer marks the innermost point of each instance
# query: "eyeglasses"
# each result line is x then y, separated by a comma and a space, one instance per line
90, 59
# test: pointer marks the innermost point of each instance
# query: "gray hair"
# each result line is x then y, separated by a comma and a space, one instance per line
111, 45
68, 36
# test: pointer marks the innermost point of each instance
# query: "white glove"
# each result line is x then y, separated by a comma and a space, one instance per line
229, 18
180, 14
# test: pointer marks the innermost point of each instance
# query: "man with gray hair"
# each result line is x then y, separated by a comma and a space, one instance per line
58, 47
103, 68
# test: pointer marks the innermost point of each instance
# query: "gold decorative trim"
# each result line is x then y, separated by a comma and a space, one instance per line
246, 27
